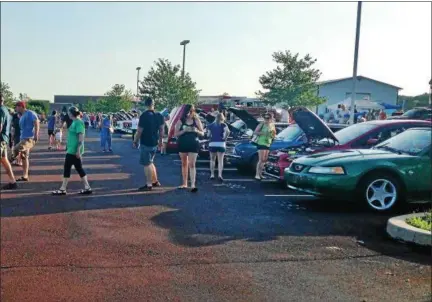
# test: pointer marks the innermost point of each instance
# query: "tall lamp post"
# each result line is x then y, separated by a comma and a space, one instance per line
430, 93
137, 92
184, 43
356, 48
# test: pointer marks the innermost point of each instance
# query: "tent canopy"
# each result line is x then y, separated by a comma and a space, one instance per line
360, 105
390, 106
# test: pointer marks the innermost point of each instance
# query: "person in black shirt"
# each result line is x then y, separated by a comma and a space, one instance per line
150, 133
5, 125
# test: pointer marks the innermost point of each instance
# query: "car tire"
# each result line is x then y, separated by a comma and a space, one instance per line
373, 189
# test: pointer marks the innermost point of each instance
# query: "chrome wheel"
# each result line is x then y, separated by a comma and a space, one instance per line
381, 194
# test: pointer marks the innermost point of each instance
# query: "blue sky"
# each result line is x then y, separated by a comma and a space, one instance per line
85, 48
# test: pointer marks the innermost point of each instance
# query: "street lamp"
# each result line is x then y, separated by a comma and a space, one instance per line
137, 93
356, 48
184, 43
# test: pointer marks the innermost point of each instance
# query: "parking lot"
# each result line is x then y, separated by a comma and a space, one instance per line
236, 241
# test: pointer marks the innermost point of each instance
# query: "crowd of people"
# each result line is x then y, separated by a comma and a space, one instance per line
342, 115
20, 132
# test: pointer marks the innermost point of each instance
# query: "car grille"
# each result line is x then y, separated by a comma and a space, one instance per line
274, 170
273, 158
297, 167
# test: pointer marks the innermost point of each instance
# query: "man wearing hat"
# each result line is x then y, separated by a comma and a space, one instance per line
29, 124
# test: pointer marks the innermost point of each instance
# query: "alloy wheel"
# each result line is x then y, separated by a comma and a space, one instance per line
381, 194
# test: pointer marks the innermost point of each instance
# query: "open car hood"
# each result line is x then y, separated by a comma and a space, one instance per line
311, 124
248, 119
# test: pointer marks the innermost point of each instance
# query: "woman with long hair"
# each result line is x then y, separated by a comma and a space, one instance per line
265, 132
218, 133
74, 152
187, 130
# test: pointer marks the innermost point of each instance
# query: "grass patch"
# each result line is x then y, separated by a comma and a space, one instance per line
424, 223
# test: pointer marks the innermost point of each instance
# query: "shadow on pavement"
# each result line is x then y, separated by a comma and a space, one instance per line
202, 219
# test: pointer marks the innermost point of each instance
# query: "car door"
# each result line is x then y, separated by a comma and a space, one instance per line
423, 176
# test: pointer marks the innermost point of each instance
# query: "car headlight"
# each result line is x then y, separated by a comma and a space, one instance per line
327, 170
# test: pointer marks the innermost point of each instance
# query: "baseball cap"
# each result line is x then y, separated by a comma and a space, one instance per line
20, 104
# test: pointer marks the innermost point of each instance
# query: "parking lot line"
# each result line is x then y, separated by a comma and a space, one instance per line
290, 195
198, 160
207, 169
248, 180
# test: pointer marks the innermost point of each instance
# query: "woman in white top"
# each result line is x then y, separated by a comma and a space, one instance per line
134, 126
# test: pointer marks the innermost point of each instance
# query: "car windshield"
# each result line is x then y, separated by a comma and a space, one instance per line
289, 134
411, 142
351, 132
411, 113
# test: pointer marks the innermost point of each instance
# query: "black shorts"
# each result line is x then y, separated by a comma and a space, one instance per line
50, 132
188, 145
261, 147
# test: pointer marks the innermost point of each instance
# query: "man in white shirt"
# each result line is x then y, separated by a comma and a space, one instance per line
134, 125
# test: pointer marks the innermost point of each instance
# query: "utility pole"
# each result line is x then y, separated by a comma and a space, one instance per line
356, 49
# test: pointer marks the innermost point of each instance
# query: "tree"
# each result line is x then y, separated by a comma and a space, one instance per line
292, 82
166, 86
7, 94
39, 106
116, 99
421, 100
90, 105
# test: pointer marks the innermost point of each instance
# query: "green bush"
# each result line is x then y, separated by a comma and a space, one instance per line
424, 222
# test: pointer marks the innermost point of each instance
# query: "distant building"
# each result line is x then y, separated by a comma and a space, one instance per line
336, 91
61, 101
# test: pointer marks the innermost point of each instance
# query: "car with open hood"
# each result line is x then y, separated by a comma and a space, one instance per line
394, 171
358, 136
245, 154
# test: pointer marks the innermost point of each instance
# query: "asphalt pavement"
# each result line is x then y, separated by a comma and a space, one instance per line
238, 241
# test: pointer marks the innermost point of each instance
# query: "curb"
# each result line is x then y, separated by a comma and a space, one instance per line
126, 136
398, 229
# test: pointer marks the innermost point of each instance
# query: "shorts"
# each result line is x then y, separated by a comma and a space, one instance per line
188, 145
3, 149
86, 125
23, 147
147, 155
217, 149
50, 132
262, 147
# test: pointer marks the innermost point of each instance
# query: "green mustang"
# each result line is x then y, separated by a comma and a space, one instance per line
396, 170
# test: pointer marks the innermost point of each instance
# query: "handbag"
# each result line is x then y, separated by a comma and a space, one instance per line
254, 139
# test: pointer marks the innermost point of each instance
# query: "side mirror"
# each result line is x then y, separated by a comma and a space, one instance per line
372, 142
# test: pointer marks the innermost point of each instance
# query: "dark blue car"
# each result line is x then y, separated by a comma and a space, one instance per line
245, 154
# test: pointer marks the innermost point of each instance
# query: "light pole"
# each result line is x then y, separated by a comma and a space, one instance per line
356, 48
184, 43
137, 93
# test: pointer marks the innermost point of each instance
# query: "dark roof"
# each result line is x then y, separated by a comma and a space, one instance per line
75, 99
359, 78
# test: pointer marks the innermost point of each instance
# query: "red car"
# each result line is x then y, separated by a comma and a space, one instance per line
359, 136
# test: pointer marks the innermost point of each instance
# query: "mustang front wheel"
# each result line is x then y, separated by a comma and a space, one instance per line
381, 192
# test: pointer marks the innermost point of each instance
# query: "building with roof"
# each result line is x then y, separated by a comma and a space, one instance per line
336, 91
61, 101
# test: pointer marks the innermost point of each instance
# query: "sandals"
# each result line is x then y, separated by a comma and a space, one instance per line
156, 184
194, 190
145, 188
182, 187
86, 192
59, 192
22, 178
